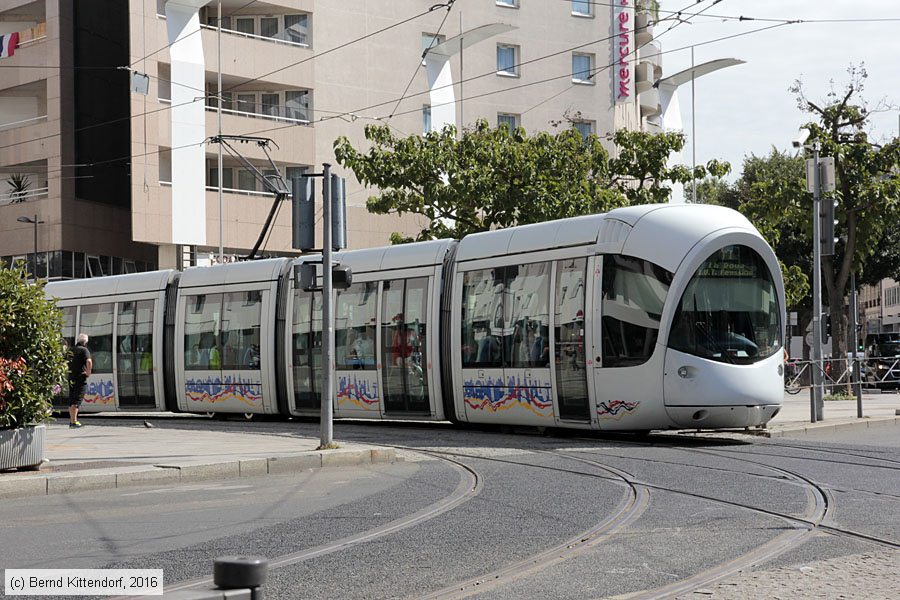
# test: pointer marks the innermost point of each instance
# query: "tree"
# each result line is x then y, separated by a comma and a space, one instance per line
490, 178
771, 192
32, 357
867, 187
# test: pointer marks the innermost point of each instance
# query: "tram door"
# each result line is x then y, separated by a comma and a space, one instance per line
404, 360
630, 301
306, 350
134, 354
572, 399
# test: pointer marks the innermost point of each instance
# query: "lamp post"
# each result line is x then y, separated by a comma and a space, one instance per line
35, 221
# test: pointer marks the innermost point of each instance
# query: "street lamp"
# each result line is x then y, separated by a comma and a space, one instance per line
35, 221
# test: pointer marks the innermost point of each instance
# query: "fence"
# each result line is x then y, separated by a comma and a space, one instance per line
874, 372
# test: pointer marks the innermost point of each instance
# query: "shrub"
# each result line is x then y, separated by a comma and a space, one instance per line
32, 355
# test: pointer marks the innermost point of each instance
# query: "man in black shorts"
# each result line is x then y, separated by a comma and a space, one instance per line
79, 370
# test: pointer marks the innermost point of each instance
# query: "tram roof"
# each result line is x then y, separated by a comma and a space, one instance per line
131, 283
662, 233
239, 272
401, 256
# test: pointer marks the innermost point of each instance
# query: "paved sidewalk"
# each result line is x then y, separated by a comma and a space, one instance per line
102, 457
113, 456
795, 415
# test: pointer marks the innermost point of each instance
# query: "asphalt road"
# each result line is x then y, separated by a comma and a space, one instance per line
495, 515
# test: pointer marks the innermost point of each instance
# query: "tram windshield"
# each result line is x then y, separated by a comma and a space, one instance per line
729, 311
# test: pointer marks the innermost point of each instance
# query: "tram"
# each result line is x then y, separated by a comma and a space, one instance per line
644, 318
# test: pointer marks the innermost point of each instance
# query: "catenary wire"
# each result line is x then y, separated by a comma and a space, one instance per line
278, 128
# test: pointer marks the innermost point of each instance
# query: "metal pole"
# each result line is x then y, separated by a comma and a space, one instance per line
693, 132
326, 434
219, 116
35, 248
816, 398
462, 121
854, 309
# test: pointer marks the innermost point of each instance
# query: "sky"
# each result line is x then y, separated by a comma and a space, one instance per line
747, 109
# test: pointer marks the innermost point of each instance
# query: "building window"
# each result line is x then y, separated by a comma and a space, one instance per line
507, 60
246, 181
297, 104
268, 27
511, 121
430, 40
246, 25
508, 3
581, 8
585, 128
582, 67
426, 119
270, 105
296, 28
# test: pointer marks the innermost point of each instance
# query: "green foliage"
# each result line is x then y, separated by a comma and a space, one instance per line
18, 186
492, 177
30, 339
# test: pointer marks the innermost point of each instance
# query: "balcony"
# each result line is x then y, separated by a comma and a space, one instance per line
652, 53
643, 77
649, 102
23, 105
643, 30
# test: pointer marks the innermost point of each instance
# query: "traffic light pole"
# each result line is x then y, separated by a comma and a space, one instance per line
326, 434
816, 400
854, 315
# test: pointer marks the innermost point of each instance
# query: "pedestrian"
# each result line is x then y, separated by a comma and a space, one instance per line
79, 370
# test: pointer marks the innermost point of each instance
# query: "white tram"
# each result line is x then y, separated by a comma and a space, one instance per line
647, 317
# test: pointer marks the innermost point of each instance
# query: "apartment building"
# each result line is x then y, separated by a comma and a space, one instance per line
880, 306
107, 108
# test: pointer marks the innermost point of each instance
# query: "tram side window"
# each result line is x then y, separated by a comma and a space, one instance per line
240, 337
97, 323
202, 324
634, 292
68, 326
354, 326
526, 341
570, 315
482, 318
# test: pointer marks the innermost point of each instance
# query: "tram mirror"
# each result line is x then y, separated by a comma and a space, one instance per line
341, 277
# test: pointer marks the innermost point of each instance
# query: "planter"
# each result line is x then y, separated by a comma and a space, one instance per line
22, 448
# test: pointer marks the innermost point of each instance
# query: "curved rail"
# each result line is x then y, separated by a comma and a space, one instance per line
628, 511
470, 485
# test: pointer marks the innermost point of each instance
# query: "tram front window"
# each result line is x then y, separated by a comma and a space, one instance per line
729, 311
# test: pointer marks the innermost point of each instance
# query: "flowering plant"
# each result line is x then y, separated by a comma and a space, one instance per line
32, 356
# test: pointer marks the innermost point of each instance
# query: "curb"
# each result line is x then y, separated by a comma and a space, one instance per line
182, 472
825, 426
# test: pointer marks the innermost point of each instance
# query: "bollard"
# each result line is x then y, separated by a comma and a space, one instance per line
235, 572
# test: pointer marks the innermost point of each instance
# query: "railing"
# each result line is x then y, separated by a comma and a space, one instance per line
22, 123
282, 112
215, 188
278, 40
32, 35
16, 197
875, 371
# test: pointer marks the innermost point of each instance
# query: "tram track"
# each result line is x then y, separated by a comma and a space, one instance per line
628, 511
470, 485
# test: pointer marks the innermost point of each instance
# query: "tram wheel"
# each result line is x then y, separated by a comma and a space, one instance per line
248, 416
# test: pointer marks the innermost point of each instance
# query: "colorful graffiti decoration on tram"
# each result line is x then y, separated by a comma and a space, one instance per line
616, 409
496, 395
216, 389
100, 392
359, 392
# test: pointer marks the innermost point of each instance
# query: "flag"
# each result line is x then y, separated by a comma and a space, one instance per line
8, 44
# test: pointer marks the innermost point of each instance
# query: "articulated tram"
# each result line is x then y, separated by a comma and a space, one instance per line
646, 317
